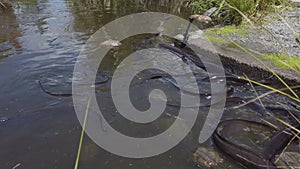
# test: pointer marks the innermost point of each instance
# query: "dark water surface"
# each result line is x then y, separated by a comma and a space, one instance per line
39, 43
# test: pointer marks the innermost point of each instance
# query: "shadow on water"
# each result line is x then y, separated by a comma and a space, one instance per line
39, 43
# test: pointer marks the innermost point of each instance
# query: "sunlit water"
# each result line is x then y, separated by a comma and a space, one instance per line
39, 44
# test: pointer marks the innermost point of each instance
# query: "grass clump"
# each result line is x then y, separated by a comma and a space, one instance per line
235, 11
202, 6
283, 61
228, 30
216, 35
216, 40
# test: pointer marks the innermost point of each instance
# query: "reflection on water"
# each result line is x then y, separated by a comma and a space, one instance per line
9, 32
91, 15
42, 38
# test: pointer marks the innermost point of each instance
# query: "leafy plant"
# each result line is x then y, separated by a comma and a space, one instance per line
238, 10
202, 6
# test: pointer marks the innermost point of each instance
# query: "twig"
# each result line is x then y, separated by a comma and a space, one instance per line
273, 90
292, 114
287, 124
264, 95
16, 166
269, 123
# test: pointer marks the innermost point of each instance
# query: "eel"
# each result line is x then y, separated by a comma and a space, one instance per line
66, 94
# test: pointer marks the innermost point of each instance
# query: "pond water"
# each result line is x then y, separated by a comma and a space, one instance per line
39, 44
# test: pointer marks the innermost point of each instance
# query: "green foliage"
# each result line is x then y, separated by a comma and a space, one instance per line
247, 7
283, 61
215, 34
216, 40
237, 10
238, 7
203, 5
228, 30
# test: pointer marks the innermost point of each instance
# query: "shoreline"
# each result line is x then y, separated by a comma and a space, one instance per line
240, 60
273, 43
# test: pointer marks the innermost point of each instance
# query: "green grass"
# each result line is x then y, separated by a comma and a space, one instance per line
215, 34
216, 40
228, 30
202, 6
283, 61
236, 11
82, 135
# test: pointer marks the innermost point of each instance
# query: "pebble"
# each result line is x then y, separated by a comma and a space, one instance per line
202, 18
207, 158
111, 43
296, 2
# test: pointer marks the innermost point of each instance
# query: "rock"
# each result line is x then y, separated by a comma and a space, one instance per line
198, 39
211, 11
207, 158
111, 43
179, 37
202, 18
296, 2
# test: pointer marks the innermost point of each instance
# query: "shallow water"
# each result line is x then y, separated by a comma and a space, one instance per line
39, 42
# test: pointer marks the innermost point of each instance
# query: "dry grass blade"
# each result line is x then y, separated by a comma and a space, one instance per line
257, 96
269, 123
2, 4
285, 148
267, 67
276, 39
297, 69
289, 26
270, 88
286, 124
290, 113
293, 115
221, 6
263, 95
82, 134
241, 13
